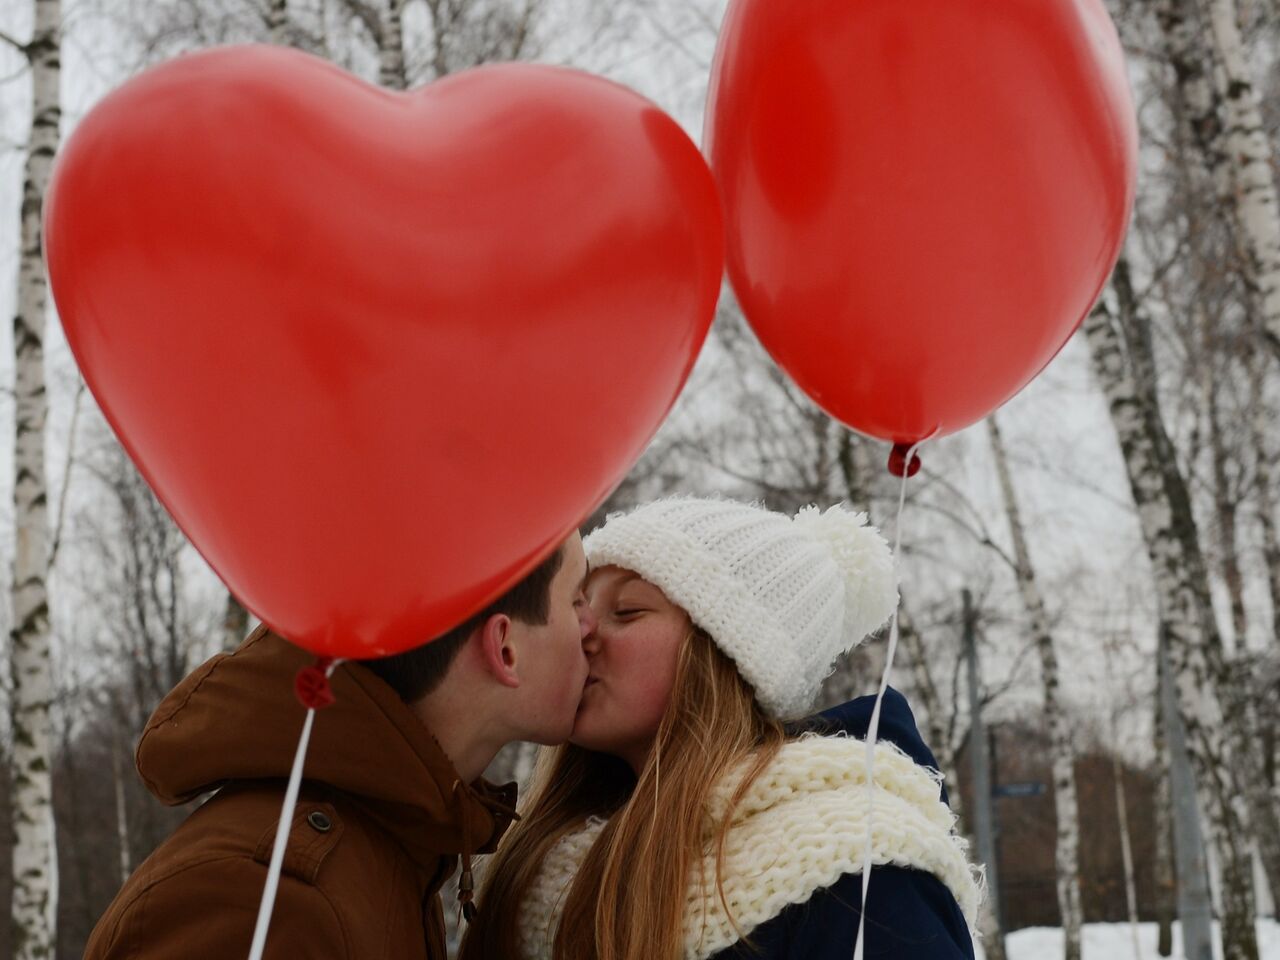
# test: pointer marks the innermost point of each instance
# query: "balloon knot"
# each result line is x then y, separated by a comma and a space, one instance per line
312, 684
898, 465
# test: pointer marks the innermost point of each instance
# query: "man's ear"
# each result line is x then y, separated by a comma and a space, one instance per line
497, 651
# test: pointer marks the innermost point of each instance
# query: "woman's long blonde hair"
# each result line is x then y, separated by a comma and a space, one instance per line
627, 901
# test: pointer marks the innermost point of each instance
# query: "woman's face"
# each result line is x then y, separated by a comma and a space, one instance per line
631, 660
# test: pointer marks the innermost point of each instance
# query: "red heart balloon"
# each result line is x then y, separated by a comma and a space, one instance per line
923, 199
378, 352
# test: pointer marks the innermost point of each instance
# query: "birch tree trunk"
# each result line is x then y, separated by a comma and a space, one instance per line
1242, 705
1241, 693
35, 883
927, 692
1252, 737
1162, 814
122, 815
1221, 150
442, 22
982, 814
277, 20
1065, 804
392, 72
1195, 899
1181, 590
1252, 160
1258, 818
1226, 510
1260, 425
1126, 853
385, 26
1196, 107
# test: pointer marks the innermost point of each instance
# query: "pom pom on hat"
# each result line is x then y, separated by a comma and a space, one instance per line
870, 580
782, 597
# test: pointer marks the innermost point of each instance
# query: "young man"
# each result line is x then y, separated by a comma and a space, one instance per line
391, 796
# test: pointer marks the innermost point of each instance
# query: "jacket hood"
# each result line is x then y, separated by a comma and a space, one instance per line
897, 726
237, 718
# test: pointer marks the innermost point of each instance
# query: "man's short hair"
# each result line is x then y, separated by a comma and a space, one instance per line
416, 672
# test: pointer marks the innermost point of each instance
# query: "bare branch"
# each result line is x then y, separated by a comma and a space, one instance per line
22, 48
995, 693
13, 144
670, 37
980, 536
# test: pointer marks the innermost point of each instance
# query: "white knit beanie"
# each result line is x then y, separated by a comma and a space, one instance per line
782, 597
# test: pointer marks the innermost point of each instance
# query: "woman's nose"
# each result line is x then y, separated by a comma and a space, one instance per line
587, 623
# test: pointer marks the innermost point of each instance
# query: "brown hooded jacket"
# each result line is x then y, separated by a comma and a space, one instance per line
380, 822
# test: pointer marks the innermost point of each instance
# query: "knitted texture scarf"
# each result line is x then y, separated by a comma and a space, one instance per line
799, 828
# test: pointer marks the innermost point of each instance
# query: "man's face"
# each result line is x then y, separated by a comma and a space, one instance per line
553, 664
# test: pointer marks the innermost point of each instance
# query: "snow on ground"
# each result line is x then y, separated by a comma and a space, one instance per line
1114, 941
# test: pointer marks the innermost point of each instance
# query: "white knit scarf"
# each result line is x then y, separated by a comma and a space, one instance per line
799, 828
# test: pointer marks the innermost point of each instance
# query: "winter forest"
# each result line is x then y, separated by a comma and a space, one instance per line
1090, 628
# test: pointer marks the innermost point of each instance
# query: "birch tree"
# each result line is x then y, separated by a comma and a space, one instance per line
460, 34
1232, 454
1066, 807
1162, 816
122, 815
1195, 906
1225, 485
1252, 158
1260, 422
1246, 700
277, 22
384, 25
982, 815
467, 33
941, 733
1123, 366
1126, 851
35, 887
1227, 304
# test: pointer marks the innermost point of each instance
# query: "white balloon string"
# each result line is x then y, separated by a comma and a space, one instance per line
873, 728
282, 833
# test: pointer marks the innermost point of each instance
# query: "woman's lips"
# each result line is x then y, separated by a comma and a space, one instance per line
582, 699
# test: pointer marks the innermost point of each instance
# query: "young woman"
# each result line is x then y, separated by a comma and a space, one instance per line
686, 818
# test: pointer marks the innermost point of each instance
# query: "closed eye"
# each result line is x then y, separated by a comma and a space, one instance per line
626, 613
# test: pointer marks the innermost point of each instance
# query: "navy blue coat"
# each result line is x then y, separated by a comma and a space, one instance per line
911, 915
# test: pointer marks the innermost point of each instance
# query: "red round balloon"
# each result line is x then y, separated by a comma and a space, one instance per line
379, 352
922, 200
